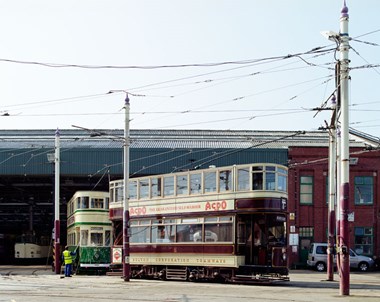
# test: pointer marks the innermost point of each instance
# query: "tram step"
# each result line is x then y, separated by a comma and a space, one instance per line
176, 273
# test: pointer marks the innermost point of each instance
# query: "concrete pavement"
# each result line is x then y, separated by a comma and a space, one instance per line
40, 284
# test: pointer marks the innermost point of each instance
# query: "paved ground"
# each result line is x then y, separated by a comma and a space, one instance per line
38, 283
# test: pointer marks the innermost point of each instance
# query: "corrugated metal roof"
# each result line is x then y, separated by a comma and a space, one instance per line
176, 139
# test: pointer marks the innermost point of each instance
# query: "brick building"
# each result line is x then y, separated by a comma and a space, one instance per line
308, 200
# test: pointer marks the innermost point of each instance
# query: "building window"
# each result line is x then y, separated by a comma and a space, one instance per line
306, 232
363, 190
364, 241
306, 190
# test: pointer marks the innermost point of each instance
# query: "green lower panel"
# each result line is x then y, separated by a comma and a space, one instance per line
94, 255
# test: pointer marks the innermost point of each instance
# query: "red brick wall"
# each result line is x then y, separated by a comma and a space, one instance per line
313, 161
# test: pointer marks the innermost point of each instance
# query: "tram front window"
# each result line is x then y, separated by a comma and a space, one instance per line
257, 178
96, 239
276, 229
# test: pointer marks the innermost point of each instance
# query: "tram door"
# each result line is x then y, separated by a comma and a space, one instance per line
252, 239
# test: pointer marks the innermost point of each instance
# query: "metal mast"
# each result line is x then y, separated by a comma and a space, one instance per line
344, 239
332, 194
126, 264
57, 227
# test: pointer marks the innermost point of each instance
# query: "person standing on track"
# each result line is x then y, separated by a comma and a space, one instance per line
67, 258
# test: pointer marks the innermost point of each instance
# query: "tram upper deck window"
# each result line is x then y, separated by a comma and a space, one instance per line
119, 191
106, 203
97, 203
224, 180
144, 188
169, 186
210, 181
196, 183
182, 185
282, 179
257, 177
132, 189
243, 179
84, 202
112, 193
270, 178
71, 207
156, 187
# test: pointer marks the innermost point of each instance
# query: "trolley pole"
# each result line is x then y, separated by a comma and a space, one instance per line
126, 264
344, 239
57, 227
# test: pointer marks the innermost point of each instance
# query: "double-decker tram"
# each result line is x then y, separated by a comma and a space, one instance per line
224, 224
89, 231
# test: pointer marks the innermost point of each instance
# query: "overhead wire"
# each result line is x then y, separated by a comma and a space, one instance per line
211, 64
257, 61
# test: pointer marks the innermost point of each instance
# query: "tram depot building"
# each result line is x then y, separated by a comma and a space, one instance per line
90, 160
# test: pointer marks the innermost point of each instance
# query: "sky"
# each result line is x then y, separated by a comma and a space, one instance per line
199, 64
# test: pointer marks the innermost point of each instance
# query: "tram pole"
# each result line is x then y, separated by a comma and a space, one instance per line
126, 264
57, 227
344, 239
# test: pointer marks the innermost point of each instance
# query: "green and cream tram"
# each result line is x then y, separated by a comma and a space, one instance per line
226, 223
89, 231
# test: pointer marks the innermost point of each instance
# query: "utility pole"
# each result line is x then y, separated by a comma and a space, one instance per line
126, 264
344, 239
57, 223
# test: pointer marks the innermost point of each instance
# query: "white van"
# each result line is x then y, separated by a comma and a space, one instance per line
317, 259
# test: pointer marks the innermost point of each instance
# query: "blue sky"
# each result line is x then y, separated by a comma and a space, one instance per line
266, 91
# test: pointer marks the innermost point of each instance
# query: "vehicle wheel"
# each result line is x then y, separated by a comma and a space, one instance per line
363, 266
320, 266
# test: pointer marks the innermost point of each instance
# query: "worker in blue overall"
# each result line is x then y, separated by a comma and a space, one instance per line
67, 258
